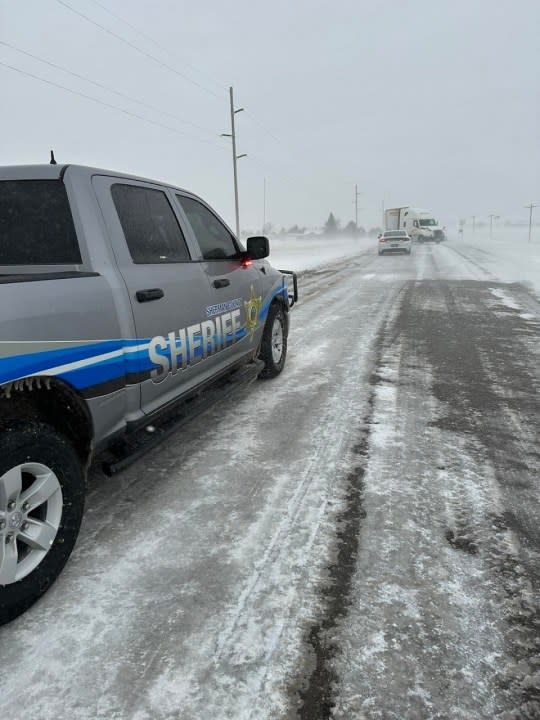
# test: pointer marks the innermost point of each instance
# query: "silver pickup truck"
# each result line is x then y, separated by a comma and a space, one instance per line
121, 300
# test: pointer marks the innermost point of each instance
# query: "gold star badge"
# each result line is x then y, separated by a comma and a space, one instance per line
252, 308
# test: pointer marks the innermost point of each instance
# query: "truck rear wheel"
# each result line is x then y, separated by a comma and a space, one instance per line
42, 489
274, 342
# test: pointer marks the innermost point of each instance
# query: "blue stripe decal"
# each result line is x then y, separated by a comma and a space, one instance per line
95, 371
281, 290
17, 366
38, 361
95, 374
129, 362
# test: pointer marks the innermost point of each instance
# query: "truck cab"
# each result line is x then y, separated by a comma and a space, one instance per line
421, 226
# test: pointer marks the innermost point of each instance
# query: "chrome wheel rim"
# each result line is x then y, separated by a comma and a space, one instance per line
277, 340
31, 505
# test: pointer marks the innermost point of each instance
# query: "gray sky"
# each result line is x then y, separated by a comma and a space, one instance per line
432, 103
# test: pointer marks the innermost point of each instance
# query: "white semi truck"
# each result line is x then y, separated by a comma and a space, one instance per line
419, 224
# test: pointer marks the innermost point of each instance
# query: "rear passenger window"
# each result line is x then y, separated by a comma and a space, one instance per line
150, 227
215, 241
36, 226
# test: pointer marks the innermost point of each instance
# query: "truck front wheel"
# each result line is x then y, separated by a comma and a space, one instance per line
42, 489
274, 342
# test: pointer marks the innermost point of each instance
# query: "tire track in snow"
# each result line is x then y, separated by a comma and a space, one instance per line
443, 622
331, 457
315, 686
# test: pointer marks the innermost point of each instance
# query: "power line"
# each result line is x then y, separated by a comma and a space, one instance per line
107, 105
138, 49
262, 127
270, 171
154, 58
162, 47
156, 43
105, 87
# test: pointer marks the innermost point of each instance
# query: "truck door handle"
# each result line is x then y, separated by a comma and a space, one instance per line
221, 283
149, 295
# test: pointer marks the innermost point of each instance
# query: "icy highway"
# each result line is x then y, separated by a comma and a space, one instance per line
357, 539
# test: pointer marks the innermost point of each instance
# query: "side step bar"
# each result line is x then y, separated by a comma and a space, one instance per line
130, 449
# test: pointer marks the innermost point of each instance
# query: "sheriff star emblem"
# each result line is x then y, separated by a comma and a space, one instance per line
252, 308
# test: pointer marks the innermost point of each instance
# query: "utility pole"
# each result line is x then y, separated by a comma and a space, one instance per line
264, 206
531, 206
236, 157
491, 225
356, 194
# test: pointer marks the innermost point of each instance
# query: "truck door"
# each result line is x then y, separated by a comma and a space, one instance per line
168, 290
236, 285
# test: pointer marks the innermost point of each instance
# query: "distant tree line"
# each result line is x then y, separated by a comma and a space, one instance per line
332, 228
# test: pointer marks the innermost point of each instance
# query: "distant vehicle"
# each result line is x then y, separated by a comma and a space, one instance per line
419, 224
391, 241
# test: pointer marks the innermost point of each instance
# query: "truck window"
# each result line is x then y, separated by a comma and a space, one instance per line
150, 227
215, 241
36, 226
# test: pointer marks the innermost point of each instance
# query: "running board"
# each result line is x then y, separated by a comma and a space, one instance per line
134, 446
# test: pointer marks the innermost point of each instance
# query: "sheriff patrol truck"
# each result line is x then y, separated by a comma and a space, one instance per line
127, 305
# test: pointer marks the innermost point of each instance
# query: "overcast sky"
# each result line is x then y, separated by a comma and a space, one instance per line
433, 103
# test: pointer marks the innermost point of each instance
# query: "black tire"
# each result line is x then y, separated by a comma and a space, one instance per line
32, 441
272, 366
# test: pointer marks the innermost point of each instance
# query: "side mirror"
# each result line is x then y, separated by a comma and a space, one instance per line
258, 247
379, 235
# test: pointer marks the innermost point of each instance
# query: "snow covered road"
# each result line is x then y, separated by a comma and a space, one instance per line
357, 539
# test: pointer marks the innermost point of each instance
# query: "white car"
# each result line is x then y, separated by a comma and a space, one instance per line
391, 241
